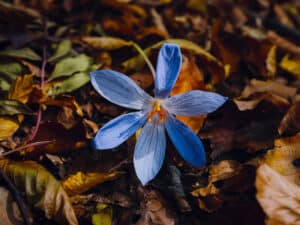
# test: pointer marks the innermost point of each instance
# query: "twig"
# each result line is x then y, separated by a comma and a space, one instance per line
25, 146
16, 196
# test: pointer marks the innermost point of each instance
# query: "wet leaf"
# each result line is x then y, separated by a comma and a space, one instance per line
279, 198
41, 190
67, 85
71, 65
103, 216
62, 49
24, 53
8, 126
11, 107
82, 182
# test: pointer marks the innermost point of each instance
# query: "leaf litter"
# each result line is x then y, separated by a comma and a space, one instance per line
246, 50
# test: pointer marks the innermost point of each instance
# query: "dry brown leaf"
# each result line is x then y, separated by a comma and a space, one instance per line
155, 210
279, 198
291, 120
41, 189
82, 182
281, 158
190, 78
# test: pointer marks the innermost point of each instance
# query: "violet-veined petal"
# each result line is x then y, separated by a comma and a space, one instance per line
194, 103
167, 69
118, 130
185, 141
149, 151
119, 89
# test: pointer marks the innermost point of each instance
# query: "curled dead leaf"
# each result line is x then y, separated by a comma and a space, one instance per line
279, 198
291, 120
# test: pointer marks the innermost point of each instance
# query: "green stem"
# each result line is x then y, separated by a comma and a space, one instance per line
138, 48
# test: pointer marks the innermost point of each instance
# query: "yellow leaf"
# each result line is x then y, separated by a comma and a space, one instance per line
82, 182
106, 43
21, 88
281, 158
41, 190
291, 65
279, 198
103, 215
271, 62
8, 126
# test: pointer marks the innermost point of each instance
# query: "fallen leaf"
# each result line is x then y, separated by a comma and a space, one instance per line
271, 63
82, 182
105, 43
71, 65
21, 89
8, 126
291, 121
282, 157
291, 65
103, 216
41, 189
279, 198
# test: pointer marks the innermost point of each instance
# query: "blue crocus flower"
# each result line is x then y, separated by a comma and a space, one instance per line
155, 115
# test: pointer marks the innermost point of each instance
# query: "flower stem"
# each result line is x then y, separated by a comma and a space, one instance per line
138, 48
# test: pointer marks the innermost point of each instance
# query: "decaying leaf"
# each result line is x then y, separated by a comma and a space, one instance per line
82, 182
41, 189
282, 157
8, 126
21, 88
105, 43
279, 198
291, 120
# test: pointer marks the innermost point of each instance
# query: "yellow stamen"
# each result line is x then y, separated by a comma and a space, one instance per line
157, 110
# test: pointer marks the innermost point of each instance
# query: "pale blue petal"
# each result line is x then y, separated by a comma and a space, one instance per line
118, 130
167, 69
119, 89
194, 103
185, 141
149, 151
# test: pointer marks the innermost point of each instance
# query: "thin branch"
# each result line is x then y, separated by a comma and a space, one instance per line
16, 196
25, 146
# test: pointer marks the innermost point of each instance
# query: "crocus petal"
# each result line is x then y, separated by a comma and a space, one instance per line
119, 89
194, 103
185, 141
118, 130
149, 151
167, 69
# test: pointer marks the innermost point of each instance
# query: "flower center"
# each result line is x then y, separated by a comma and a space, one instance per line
158, 114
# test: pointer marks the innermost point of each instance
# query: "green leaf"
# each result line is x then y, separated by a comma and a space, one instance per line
12, 107
103, 215
70, 84
68, 66
24, 53
4, 84
10, 70
62, 49
138, 61
106, 43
